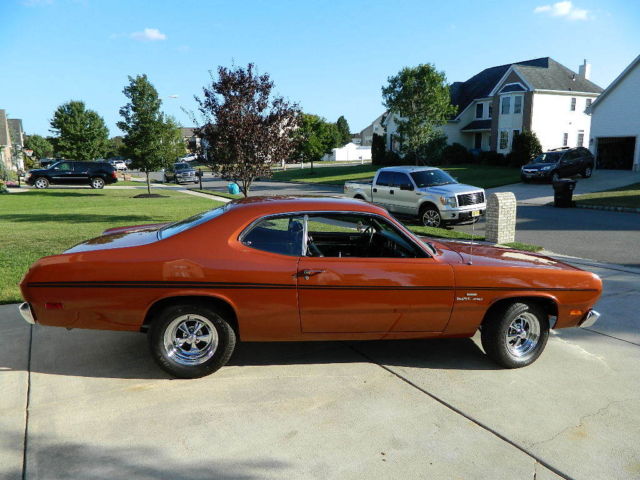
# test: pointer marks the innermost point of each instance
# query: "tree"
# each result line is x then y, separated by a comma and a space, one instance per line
148, 133
419, 98
115, 147
243, 127
316, 137
41, 147
377, 149
525, 147
81, 134
172, 141
343, 130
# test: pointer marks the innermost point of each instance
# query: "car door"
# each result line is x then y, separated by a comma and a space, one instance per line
80, 174
383, 190
405, 197
361, 287
62, 173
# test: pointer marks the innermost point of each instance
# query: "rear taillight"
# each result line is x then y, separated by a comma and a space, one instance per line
114, 175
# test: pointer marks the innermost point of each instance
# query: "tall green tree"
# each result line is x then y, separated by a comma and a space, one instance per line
419, 98
81, 134
42, 148
115, 147
525, 148
243, 126
172, 141
343, 130
316, 137
145, 128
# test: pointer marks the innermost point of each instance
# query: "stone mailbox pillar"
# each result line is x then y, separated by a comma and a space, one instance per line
501, 217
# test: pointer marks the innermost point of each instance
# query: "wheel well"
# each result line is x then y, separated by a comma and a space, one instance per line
549, 306
424, 205
359, 197
191, 299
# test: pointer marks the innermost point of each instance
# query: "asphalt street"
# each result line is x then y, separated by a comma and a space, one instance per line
92, 405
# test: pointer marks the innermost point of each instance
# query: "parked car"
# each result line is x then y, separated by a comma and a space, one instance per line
296, 269
428, 193
96, 174
556, 164
119, 165
181, 172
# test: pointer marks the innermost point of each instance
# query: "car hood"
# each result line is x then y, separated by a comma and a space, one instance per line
452, 188
538, 165
37, 170
120, 237
486, 255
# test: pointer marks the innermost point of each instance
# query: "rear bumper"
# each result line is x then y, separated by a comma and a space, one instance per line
27, 314
589, 319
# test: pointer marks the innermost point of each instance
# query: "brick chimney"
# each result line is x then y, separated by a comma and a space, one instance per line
584, 70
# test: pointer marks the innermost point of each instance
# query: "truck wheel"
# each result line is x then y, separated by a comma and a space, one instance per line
515, 335
430, 216
96, 182
41, 182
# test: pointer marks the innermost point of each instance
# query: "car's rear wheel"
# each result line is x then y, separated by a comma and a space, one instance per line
191, 341
41, 182
587, 172
96, 182
430, 216
515, 335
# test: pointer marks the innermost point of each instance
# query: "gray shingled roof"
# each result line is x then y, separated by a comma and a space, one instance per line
478, 125
541, 73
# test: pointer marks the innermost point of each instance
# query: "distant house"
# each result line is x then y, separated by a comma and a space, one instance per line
615, 122
351, 152
366, 135
191, 140
11, 142
539, 95
17, 141
6, 152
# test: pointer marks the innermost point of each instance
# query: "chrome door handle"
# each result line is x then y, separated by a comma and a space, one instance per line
308, 273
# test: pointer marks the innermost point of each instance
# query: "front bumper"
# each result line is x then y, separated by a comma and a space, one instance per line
589, 319
455, 215
27, 314
533, 174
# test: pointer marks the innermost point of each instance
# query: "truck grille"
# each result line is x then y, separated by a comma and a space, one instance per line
470, 199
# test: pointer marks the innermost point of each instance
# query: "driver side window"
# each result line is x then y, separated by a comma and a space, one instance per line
353, 235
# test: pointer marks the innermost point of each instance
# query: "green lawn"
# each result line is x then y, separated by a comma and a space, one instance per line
219, 193
455, 235
628, 196
478, 175
46, 222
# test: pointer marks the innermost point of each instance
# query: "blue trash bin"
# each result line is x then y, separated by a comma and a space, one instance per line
233, 188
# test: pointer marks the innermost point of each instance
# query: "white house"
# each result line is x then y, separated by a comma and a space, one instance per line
615, 122
539, 95
349, 153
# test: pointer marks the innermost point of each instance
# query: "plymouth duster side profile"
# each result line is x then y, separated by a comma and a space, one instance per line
295, 269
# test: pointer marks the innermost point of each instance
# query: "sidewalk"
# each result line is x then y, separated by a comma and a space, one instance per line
98, 407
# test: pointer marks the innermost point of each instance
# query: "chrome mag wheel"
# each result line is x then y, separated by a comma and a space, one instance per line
190, 340
523, 334
431, 218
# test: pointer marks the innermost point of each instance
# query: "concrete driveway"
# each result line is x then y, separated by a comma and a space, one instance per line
92, 405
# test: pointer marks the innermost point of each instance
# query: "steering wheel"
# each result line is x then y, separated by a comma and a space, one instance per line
312, 248
371, 232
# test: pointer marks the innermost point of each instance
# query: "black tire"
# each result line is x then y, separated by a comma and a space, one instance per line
41, 183
525, 179
430, 216
515, 320
96, 182
199, 358
587, 172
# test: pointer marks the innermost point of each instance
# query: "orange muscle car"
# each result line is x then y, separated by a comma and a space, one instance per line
294, 268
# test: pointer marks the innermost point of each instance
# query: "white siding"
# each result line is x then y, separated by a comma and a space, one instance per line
552, 117
618, 114
508, 122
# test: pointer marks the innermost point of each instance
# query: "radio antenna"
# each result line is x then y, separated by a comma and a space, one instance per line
473, 232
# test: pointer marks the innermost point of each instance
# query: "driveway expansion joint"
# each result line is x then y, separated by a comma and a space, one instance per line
465, 415
25, 442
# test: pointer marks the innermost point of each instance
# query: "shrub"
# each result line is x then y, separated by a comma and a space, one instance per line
431, 152
392, 158
492, 158
525, 148
377, 150
456, 154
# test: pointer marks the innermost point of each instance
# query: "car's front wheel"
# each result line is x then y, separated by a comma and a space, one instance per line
41, 182
587, 172
97, 182
191, 341
430, 216
514, 336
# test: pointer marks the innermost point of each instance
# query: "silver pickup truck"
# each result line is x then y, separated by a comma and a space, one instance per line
428, 193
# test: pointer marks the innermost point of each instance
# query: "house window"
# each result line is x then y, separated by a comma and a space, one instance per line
506, 105
504, 139
490, 111
565, 139
573, 104
517, 104
589, 102
580, 138
479, 110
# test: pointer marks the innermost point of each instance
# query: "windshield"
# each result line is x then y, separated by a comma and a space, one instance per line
186, 224
432, 178
549, 157
181, 166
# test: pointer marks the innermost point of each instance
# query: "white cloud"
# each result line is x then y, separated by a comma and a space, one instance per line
175, 95
563, 9
149, 35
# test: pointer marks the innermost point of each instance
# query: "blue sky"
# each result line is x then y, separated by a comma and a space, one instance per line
330, 57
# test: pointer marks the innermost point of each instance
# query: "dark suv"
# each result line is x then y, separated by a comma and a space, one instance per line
95, 174
559, 163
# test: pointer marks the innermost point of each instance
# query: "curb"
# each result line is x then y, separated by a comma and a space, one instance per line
608, 208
